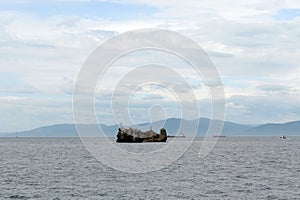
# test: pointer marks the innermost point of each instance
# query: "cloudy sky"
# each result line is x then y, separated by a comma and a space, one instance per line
255, 46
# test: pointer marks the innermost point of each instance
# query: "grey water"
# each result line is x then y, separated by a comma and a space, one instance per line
236, 168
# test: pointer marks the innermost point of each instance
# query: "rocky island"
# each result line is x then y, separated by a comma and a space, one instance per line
132, 135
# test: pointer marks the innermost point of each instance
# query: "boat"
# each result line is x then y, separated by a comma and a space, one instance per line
283, 137
220, 136
177, 136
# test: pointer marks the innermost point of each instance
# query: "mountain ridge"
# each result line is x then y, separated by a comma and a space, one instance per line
171, 124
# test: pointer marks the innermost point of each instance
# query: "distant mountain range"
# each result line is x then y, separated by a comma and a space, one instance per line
172, 125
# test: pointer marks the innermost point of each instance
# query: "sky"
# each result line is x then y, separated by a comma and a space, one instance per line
255, 46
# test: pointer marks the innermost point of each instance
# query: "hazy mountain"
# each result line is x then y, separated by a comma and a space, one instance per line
64, 130
172, 125
290, 128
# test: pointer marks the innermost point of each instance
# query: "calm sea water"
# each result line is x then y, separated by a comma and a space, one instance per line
237, 168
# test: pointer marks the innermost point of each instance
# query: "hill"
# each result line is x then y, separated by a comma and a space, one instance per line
273, 129
172, 125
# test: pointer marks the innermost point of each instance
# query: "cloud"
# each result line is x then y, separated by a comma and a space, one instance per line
26, 112
287, 14
274, 88
255, 46
153, 97
263, 109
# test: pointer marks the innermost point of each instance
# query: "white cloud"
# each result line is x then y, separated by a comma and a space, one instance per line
263, 109
256, 55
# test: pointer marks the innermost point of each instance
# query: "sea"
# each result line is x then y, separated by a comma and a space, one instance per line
236, 168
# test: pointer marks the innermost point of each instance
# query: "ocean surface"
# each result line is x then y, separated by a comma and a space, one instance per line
237, 168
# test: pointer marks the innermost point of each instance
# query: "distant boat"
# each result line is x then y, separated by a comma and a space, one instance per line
283, 137
220, 136
177, 136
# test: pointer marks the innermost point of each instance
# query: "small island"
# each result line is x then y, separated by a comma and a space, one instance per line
132, 135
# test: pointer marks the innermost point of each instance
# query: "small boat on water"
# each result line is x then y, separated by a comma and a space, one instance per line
220, 136
176, 136
283, 137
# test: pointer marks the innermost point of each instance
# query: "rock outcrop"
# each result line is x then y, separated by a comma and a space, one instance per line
131, 135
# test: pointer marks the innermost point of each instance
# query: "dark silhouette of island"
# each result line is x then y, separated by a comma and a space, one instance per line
132, 135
